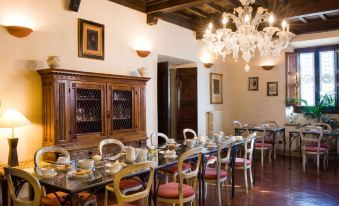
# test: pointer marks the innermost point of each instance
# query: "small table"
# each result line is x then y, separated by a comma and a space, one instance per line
271, 131
294, 134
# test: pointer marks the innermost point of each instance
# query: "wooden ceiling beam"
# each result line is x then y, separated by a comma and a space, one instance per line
172, 6
317, 26
138, 5
198, 12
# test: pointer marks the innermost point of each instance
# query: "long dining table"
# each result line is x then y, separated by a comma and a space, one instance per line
100, 178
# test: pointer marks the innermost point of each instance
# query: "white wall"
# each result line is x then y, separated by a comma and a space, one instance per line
55, 33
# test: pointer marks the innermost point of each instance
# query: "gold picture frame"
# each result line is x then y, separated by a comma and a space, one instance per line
216, 91
91, 40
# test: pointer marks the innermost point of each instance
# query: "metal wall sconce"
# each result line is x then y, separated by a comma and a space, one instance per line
143, 53
19, 31
208, 65
268, 67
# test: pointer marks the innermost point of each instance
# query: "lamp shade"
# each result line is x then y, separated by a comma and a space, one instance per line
12, 118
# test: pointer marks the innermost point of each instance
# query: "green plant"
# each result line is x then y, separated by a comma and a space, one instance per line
317, 111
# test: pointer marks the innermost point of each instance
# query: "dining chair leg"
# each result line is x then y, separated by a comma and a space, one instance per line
318, 163
245, 177
166, 179
262, 158
219, 193
251, 177
324, 162
227, 194
106, 197
304, 162
269, 155
206, 190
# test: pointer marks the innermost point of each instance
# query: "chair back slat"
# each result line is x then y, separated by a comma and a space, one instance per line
190, 131
33, 181
249, 146
121, 198
155, 136
226, 144
51, 149
310, 135
111, 142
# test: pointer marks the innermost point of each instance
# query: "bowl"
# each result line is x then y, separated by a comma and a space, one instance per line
190, 143
113, 168
86, 164
48, 171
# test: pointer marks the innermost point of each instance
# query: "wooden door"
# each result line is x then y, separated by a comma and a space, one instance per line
187, 100
164, 98
121, 110
87, 111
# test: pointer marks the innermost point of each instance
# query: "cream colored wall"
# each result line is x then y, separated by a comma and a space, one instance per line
55, 33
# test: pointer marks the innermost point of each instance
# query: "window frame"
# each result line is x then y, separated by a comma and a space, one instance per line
316, 51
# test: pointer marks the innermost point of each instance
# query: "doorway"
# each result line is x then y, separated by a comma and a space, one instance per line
177, 96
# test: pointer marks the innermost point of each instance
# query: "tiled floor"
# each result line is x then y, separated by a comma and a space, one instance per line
281, 186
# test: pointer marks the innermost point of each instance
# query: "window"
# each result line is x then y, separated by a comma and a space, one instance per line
311, 74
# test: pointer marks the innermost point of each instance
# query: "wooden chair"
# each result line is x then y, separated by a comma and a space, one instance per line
326, 143
51, 199
122, 198
245, 163
180, 193
156, 135
311, 145
116, 142
126, 185
11, 172
217, 176
263, 146
189, 131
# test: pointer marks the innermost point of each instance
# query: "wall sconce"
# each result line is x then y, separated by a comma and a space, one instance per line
268, 67
143, 53
208, 65
19, 31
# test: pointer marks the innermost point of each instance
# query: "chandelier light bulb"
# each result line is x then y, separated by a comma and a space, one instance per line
208, 31
210, 26
271, 19
247, 18
284, 24
224, 21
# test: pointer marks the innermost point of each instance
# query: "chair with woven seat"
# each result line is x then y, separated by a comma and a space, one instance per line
51, 199
178, 192
245, 163
311, 145
217, 176
123, 199
262, 145
126, 185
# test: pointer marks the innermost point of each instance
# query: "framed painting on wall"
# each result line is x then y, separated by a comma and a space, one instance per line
272, 88
91, 40
216, 91
253, 83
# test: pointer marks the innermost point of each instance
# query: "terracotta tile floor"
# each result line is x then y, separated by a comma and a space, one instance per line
281, 186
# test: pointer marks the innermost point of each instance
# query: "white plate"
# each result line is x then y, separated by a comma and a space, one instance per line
111, 173
49, 176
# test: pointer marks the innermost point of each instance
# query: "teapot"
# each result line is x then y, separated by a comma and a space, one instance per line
130, 154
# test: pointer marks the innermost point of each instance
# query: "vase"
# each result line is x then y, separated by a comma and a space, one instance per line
142, 71
54, 61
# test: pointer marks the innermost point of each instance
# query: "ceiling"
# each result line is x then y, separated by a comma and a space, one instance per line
304, 16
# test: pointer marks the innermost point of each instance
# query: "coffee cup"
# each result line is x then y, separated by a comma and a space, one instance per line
86, 164
171, 141
217, 138
190, 143
47, 171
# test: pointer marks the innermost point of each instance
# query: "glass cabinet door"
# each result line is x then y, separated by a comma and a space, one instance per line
121, 100
89, 110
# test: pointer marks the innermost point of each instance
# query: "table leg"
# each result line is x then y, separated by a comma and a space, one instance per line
284, 141
290, 148
254, 163
155, 188
273, 145
4, 190
234, 151
202, 195
335, 158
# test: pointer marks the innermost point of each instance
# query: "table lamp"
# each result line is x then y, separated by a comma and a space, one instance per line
11, 119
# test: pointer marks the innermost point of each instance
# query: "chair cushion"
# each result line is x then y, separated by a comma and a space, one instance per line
240, 162
130, 183
211, 173
324, 145
171, 190
212, 159
265, 145
125, 204
314, 149
174, 169
51, 200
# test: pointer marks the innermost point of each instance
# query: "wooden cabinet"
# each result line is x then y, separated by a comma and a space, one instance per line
81, 108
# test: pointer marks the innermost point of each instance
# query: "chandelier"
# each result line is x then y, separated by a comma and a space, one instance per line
247, 38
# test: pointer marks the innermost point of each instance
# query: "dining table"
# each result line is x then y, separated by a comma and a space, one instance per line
99, 177
295, 134
272, 131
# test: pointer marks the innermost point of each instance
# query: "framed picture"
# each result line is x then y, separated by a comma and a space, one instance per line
272, 88
253, 83
216, 88
91, 40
